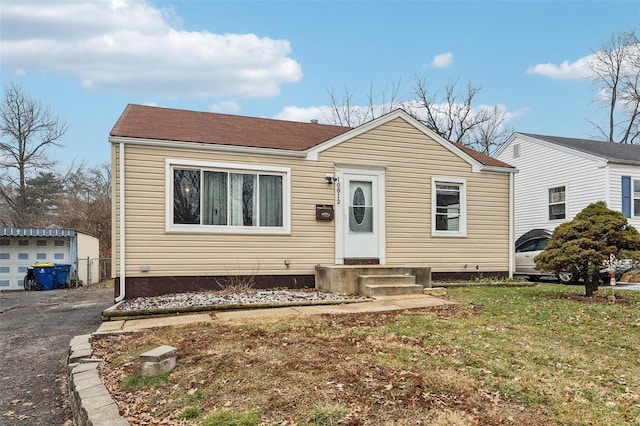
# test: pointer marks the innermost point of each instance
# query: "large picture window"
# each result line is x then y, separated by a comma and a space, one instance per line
215, 199
448, 207
557, 203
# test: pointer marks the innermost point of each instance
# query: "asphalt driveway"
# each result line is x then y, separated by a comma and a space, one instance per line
35, 330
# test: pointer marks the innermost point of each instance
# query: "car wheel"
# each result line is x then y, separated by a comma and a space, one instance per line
566, 277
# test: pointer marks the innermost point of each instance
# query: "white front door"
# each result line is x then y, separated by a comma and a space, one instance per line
362, 214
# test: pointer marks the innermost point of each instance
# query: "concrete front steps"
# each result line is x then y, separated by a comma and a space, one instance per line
373, 280
388, 285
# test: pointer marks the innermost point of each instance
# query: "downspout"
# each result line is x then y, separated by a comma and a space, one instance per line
511, 225
121, 215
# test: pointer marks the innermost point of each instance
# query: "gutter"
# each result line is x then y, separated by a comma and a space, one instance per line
228, 149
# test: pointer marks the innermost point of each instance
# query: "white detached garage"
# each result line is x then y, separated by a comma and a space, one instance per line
22, 247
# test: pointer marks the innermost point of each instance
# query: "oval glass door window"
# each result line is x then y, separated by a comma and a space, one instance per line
361, 209
358, 205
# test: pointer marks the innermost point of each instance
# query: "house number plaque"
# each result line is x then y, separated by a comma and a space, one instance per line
338, 191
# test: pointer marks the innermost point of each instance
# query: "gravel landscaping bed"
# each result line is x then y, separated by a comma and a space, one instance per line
218, 298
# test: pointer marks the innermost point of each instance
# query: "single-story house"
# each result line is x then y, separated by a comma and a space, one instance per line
558, 177
22, 247
200, 197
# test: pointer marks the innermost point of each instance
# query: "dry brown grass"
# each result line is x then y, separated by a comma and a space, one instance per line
506, 360
283, 370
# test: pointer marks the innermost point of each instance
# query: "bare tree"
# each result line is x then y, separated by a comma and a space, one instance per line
451, 115
616, 77
27, 130
455, 116
347, 111
86, 204
491, 134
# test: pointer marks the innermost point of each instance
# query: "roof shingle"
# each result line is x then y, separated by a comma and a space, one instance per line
147, 122
613, 152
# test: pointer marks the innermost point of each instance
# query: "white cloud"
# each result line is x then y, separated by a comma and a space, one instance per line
135, 47
225, 107
578, 70
294, 113
444, 60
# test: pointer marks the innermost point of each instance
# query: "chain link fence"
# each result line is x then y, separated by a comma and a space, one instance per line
94, 270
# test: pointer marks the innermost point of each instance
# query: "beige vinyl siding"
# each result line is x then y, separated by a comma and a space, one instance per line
410, 159
183, 254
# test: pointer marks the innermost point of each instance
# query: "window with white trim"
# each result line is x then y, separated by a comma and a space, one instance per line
217, 199
635, 197
557, 203
448, 206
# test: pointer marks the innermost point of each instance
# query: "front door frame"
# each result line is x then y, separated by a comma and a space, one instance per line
342, 208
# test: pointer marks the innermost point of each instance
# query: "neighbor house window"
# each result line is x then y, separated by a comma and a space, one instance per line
218, 199
23, 242
516, 150
557, 203
448, 205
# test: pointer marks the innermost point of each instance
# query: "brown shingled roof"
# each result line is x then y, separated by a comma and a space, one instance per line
148, 122
483, 159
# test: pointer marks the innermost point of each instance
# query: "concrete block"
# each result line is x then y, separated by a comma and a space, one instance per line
75, 356
157, 361
97, 402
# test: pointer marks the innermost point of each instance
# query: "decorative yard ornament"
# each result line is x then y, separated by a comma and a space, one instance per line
611, 265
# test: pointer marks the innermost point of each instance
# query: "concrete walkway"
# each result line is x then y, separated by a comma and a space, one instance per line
380, 304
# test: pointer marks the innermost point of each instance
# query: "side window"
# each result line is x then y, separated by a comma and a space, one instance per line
528, 246
557, 203
448, 207
542, 244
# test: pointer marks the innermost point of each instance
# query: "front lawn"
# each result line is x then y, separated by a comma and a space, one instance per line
522, 356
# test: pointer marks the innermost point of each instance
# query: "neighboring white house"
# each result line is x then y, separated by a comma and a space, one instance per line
558, 177
22, 247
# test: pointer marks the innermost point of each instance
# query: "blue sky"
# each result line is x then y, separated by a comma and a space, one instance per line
88, 60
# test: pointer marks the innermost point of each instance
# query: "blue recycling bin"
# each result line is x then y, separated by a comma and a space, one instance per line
44, 275
61, 274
